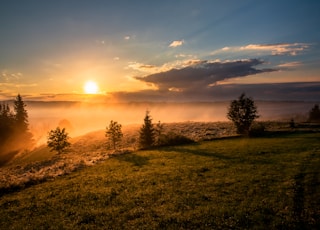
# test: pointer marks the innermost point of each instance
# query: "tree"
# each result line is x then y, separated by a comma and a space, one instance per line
6, 123
314, 114
242, 113
58, 140
159, 132
114, 133
147, 133
21, 114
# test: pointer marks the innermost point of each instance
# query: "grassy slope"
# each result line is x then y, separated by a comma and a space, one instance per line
231, 183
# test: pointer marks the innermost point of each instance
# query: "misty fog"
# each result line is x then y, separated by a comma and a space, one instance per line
81, 117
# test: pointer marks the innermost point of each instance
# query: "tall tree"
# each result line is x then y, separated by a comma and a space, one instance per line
114, 133
6, 122
21, 115
147, 133
242, 113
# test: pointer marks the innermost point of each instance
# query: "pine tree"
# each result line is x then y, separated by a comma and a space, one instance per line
6, 122
21, 115
147, 133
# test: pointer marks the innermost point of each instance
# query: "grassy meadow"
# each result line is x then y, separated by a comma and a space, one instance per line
268, 182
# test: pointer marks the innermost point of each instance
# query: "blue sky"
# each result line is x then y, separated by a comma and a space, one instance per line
196, 50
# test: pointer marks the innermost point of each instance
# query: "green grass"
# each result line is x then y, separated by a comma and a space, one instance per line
236, 183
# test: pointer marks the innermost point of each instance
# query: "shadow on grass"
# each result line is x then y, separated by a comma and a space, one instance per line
198, 152
134, 159
305, 189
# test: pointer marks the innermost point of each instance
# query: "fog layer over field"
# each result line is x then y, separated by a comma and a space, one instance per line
81, 117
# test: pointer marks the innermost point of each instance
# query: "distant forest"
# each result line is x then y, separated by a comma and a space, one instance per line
14, 129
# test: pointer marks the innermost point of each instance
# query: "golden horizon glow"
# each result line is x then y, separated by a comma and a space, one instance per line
91, 87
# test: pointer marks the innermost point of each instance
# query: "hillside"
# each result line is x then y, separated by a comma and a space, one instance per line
233, 183
41, 164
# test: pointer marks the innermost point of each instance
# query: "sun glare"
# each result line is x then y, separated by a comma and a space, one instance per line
90, 87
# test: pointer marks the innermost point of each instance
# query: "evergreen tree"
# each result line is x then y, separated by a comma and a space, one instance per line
147, 133
21, 115
6, 122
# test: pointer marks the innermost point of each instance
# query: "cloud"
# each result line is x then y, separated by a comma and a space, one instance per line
142, 67
294, 91
203, 74
9, 76
290, 64
176, 43
290, 49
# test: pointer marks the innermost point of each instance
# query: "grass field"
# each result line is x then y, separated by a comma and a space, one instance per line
233, 183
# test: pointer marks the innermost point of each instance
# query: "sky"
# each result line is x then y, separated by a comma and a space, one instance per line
168, 50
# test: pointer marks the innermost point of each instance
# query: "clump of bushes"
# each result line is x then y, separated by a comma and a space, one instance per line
257, 130
172, 138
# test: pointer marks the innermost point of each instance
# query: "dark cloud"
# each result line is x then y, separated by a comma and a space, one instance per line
203, 74
296, 91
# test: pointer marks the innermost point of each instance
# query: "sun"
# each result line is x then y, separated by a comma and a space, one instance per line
91, 87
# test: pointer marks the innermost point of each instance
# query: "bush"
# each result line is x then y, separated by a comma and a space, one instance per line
257, 130
172, 138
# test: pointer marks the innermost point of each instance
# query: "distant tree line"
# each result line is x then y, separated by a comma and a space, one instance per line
14, 127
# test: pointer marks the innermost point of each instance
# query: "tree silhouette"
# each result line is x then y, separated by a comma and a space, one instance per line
314, 114
14, 133
6, 123
114, 133
147, 133
58, 140
242, 113
21, 115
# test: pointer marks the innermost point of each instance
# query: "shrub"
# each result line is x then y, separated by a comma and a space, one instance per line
314, 114
172, 138
257, 130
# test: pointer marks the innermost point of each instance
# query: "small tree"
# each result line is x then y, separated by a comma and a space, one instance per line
242, 113
114, 133
147, 133
159, 132
314, 114
58, 140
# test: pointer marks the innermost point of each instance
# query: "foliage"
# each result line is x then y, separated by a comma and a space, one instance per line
235, 183
147, 133
114, 133
314, 114
21, 115
158, 131
242, 113
171, 139
257, 130
14, 131
58, 140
